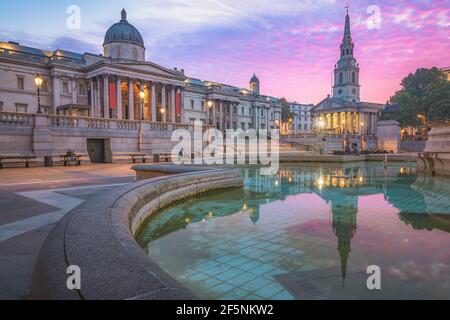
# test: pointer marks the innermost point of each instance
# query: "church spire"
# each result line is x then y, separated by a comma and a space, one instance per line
347, 31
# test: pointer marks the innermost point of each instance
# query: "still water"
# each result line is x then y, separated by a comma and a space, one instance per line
310, 232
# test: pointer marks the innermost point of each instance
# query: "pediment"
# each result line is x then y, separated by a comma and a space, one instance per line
151, 68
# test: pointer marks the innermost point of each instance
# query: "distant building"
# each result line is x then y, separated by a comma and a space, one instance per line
446, 71
344, 112
109, 86
302, 118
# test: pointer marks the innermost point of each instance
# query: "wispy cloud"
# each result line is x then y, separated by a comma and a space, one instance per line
292, 44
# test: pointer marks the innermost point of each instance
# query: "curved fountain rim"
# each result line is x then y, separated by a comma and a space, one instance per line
99, 237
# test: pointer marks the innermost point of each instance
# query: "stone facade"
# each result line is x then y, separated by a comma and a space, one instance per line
302, 121
112, 85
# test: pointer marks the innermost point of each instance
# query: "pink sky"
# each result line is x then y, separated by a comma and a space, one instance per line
292, 45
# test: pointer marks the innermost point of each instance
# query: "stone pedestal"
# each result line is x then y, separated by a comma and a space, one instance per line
42, 139
388, 136
435, 159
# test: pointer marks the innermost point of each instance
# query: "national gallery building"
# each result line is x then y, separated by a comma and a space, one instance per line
120, 84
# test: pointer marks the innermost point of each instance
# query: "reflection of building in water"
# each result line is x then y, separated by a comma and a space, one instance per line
254, 215
344, 227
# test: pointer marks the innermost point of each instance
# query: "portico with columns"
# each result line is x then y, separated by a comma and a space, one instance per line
117, 95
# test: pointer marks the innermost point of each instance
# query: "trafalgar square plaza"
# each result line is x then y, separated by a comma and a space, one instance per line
225, 151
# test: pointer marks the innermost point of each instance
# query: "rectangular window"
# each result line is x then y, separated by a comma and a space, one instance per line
65, 87
1, 106
243, 111
203, 105
21, 107
192, 104
20, 83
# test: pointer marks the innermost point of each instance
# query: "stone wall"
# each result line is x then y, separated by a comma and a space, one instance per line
51, 135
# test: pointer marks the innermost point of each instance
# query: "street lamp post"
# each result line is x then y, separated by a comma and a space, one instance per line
38, 81
142, 96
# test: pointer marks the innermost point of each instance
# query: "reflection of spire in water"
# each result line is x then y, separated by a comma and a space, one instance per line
344, 227
254, 216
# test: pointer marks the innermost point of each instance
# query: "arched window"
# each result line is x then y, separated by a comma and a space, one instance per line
341, 78
353, 77
347, 51
135, 54
118, 51
343, 52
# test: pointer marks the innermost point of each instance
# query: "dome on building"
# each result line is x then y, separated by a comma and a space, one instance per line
254, 79
123, 31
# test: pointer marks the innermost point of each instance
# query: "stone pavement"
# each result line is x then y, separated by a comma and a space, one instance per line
31, 201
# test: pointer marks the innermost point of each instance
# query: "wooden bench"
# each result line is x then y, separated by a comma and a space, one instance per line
162, 157
16, 157
136, 156
67, 159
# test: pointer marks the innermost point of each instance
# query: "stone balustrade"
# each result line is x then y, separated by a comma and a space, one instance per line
44, 135
16, 119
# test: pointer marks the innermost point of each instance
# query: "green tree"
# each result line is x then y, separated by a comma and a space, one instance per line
426, 94
285, 110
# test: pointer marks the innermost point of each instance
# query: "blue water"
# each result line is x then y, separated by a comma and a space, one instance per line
310, 232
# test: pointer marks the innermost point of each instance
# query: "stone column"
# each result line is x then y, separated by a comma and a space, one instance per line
92, 97
74, 90
172, 105
339, 122
374, 123
238, 117
214, 110
163, 102
56, 92
130, 99
346, 123
106, 96
232, 115
221, 115
141, 107
351, 123
180, 92
364, 121
98, 98
153, 106
119, 99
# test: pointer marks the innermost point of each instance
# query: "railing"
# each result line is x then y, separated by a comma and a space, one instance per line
16, 119
63, 121
69, 122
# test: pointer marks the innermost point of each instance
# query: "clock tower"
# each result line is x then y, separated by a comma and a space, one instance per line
346, 73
